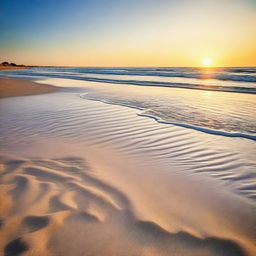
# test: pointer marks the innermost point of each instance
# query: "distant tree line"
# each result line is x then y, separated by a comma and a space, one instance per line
5, 63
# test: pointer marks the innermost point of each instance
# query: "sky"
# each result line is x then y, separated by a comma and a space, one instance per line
128, 32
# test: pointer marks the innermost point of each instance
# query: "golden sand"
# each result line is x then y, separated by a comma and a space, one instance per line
18, 87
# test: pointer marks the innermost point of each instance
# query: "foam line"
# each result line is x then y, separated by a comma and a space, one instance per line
189, 126
201, 129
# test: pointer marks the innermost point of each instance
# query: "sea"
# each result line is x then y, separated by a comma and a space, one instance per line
219, 101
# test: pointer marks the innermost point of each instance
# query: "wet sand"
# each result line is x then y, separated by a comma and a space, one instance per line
17, 87
79, 177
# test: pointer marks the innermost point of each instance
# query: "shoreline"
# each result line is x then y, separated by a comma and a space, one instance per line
13, 67
10, 87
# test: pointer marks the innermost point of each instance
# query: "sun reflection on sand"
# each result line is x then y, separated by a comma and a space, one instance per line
208, 94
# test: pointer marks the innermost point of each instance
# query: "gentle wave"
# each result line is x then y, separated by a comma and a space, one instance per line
232, 74
160, 84
185, 73
159, 120
201, 129
240, 80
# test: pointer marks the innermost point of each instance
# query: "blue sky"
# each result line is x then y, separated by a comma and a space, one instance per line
126, 33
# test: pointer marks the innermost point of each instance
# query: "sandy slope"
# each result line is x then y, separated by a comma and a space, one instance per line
18, 87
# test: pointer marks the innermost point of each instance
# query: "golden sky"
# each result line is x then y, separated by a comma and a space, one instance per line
130, 33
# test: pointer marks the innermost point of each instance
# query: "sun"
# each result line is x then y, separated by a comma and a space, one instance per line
207, 62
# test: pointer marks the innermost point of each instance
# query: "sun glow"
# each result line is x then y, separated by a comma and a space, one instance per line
207, 62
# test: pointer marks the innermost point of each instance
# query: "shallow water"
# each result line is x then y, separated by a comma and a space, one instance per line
225, 101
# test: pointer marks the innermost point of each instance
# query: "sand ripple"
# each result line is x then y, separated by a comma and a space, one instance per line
59, 207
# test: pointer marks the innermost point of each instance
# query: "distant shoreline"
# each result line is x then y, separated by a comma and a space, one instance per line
9, 67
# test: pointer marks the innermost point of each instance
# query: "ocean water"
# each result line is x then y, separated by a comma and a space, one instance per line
218, 100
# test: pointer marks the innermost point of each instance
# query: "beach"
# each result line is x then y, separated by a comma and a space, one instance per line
84, 176
16, 87
127, 128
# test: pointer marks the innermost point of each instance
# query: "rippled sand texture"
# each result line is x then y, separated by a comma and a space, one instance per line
80, 177
59, 207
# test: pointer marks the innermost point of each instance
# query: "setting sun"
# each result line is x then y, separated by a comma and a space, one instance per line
207, 62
